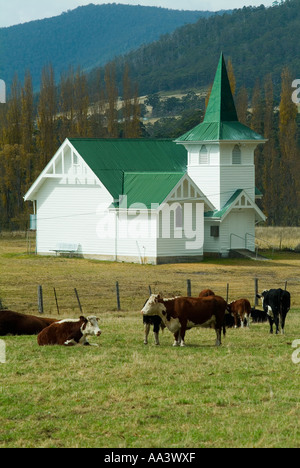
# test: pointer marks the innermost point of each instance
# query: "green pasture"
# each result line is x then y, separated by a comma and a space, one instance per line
128, 395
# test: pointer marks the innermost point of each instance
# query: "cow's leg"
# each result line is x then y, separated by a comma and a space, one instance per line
71, 342
270, 323
235, 316
218, 333
242, 319
248, 320
182, 333
176, 339
277, 324
156, 332
282, 322
146, 332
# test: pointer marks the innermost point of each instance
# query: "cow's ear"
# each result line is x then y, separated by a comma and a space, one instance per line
82, 318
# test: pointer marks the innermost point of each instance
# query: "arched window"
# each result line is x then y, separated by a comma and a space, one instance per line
236, 155
203, 155
178, 217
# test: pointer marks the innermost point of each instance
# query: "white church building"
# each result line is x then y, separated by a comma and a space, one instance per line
153, 201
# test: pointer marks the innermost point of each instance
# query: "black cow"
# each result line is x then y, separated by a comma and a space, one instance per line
157, 323
276, 303
258, 316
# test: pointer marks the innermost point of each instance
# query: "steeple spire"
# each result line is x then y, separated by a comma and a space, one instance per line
221, 107
221, 121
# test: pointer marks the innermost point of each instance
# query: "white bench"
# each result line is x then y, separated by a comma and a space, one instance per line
65, 248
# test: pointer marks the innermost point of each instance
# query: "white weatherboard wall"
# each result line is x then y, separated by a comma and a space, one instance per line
237, 231
136, 235
70, 213
70, 201
216, 176
205, 175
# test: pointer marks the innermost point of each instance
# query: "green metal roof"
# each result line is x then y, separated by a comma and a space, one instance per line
225, 208
221, 106
221, 120
111, 159
149, 188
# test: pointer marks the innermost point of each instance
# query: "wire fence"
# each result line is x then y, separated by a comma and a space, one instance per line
75, 299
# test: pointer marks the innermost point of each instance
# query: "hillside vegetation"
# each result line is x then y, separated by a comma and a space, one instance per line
260, 41
88, 36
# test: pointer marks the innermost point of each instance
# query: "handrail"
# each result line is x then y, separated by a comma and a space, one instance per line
259, 239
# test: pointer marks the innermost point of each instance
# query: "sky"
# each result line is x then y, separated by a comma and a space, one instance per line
21, 11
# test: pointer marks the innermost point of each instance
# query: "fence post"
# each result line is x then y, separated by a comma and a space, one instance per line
78, 300
189, 287
40, 299
56, 300
150, 290
227, 292
118, 295
255, 292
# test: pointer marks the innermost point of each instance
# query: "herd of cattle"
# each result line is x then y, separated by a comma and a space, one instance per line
178, 314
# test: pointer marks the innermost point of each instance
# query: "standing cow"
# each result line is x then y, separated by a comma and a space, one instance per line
183, 313
276, 303
241, 310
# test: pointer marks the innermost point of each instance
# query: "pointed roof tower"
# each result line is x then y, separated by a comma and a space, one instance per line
221, 120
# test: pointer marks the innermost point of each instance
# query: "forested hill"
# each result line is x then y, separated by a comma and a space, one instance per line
259, 41
88, 36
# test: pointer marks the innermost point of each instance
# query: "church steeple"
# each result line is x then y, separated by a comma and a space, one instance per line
221, 107
221, 121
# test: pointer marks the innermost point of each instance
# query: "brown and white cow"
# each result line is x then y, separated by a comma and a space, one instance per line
241, 310
206, 293
182, 313
70, 332
14, 323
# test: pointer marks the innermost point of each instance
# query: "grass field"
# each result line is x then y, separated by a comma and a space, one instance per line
124, 394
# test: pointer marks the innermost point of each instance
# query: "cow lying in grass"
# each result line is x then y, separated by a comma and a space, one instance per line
70, 332
183, 313
14, 323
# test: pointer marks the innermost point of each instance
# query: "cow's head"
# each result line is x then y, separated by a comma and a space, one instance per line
154, 306
90, 326
262, 295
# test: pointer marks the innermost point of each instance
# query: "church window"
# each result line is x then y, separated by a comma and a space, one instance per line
236, 155
214, 231
178, 217
203, 155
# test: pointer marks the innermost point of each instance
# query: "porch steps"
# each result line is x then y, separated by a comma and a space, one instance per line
245, 253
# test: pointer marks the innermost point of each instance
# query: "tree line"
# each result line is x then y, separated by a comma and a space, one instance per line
33, 127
